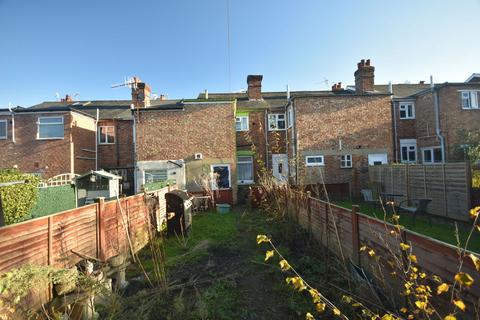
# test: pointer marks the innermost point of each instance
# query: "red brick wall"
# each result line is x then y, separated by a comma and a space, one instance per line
121, 153
363, 123
49, 157
405, 129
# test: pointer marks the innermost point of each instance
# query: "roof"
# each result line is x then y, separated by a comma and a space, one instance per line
402, 90
101, 173
475, 77
108, 109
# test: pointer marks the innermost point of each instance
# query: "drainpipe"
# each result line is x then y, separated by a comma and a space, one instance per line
13, 121
135, 169
96, 140
438, 131
266, 139
395, 133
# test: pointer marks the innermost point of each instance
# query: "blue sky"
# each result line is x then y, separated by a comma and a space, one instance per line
179, 47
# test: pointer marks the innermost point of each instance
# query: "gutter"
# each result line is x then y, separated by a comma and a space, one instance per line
438, 131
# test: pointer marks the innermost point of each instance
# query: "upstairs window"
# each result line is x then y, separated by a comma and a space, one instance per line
50, 128
3, 129
106, 134
407, 110
346, 161
408, 150
241, 123
276, 121
469, 99
153, 176
221, 176
314, 161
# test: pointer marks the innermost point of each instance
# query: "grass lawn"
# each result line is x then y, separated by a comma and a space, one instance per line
440, 229
219, 272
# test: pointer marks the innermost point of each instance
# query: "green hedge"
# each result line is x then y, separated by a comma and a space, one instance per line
53, 200
157, 185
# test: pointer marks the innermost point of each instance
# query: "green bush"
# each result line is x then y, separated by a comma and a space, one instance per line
18, 199
158, 185
53, 200
476, 178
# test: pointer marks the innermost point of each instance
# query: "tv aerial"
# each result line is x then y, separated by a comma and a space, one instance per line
130, 82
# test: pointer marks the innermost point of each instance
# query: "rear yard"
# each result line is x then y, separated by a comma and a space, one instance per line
219, 272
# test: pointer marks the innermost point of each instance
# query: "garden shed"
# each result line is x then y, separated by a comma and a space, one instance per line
95, 184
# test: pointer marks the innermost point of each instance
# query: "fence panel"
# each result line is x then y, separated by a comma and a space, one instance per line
448, 185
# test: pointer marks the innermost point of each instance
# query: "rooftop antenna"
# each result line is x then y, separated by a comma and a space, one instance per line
129, 82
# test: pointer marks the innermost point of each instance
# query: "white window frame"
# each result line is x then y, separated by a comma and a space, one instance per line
346, 161
106, 135
244, 182
50, 124
408, 143
6, 130
238, 119
431, 149
315, 164
404, 106
214, 183
276, 121
473, 97
289, 116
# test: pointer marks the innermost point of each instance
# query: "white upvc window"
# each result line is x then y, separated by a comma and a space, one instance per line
276, 121
407, 110
221, 176
244, 170
408, 150
346, 161
152, 176
314, 161
241, 123
106, 134
290, 116
432, 155
3, 129
50, 128
469, 99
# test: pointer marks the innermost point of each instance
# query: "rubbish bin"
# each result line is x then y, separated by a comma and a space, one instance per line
179, 212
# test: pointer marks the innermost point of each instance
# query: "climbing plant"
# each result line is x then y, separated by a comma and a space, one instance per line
18, 199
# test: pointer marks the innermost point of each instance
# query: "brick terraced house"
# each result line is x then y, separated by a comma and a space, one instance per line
303, 136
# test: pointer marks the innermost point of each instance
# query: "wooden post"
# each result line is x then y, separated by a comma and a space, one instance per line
468, 178
101, 237
50, 240
309, 213
407, 183
355, 236
445, 190
425, 180
2, 219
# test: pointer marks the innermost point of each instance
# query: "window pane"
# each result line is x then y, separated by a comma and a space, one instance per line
403, 114
223, 176
156, 176
238, 125
55, 120
437, 155
404, 154
50, 131
427, 155
245, 171
111, 135
3, 129
281, 124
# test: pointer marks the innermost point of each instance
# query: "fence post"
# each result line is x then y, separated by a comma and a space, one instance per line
445, 190
355, 236
407, 183
50, 252
101, 239
309, 213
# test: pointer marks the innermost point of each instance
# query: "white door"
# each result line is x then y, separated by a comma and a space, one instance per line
377, 159
280, 166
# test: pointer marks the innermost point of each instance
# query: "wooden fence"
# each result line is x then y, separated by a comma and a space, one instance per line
448, 185
98, 230
356, 229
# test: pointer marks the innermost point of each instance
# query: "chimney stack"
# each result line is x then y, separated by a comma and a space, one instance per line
337, 87
254, 87
68, 98
364, 77
140, 93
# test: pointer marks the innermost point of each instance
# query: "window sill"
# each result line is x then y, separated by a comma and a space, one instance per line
346, 167
314, 165
58, 138
245, 182
242, 130
474, 108
106, 144
277, 129
407, 118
